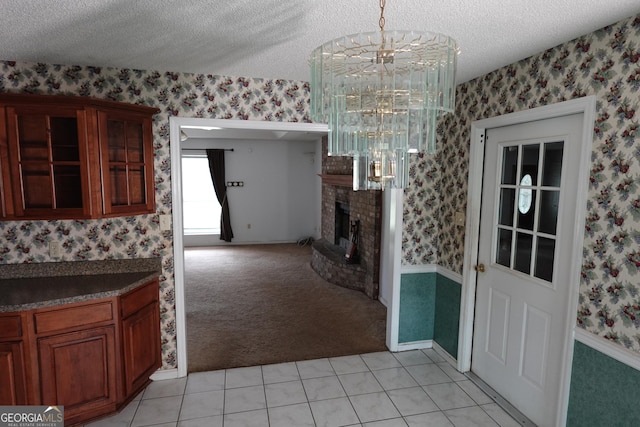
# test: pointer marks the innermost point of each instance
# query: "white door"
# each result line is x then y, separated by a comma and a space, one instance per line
526, 232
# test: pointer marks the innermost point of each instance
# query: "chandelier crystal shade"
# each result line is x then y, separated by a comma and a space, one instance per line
381, 94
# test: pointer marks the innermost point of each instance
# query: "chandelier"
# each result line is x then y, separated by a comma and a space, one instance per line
381, 93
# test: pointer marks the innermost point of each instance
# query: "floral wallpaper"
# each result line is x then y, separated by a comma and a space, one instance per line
420, 222
175, 94
606, 64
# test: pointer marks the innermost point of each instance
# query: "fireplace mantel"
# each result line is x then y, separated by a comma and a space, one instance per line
337, 180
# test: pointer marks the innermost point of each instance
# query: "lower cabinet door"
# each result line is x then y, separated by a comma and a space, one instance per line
12, 373
78, 371
141, 344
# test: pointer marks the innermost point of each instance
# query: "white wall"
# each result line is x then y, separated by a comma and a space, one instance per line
280, 199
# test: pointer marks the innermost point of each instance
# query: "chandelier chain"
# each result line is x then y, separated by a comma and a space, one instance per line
381, 21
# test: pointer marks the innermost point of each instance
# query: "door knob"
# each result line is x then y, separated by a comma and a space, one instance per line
480, 268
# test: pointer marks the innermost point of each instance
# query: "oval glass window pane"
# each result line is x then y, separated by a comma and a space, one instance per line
530, 159
526, 199
507, 203
552, 164
524, 243
544, 259
524, 195
509, 165
548, 220
503, 252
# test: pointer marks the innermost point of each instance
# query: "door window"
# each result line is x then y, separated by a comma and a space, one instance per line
529, 196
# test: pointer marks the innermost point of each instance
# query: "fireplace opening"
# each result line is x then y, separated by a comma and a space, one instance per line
343, 225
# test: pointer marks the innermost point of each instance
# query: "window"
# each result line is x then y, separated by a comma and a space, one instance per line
201, 209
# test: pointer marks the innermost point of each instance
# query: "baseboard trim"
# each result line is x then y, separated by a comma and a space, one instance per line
383, 301
165, 374
415, 345
445, 355
608, 348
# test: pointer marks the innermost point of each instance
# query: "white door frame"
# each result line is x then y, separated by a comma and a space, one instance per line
585, 105
176, 202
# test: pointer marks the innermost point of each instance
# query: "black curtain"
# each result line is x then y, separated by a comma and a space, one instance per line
216, 168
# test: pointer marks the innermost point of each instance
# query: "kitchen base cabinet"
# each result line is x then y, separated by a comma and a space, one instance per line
12, 373
139, 339
79, 369
91, 357
12, 360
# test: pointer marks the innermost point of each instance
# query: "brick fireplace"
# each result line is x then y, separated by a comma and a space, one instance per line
338, 198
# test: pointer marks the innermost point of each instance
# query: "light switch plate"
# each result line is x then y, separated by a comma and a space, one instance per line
54, 250
459, 218
165, 222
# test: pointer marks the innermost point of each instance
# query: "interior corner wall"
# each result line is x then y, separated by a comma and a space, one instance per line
429, 310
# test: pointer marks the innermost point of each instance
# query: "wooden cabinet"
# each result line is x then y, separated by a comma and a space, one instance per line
78, 370
12, 371
127, 162
91, 357
140, 335
72, 157
12, 361
44, 155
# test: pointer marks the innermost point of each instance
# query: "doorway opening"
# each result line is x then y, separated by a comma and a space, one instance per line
227, 131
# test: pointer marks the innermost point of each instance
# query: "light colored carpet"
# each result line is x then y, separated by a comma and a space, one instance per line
263, 304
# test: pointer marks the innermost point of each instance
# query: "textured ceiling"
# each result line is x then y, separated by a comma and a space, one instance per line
273, 38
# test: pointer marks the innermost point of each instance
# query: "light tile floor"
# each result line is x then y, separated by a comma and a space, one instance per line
412, 388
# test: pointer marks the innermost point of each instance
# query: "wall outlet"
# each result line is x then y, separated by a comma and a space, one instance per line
248, 226
165, 222
459, 219
54, 250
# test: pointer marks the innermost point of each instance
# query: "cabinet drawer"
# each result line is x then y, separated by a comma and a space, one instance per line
140, 297
10, 326
83, 315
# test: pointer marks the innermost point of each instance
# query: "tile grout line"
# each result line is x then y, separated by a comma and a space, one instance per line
305, 393
224, 395
334, 374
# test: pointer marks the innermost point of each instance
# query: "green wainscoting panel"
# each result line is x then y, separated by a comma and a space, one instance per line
604, 392
447, 321
417, 307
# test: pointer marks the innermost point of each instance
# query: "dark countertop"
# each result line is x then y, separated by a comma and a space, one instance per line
49, 284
